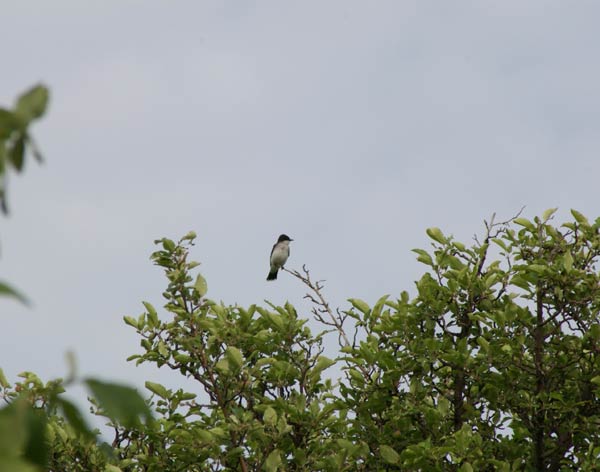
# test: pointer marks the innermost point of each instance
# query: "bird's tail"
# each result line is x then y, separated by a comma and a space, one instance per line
272, 275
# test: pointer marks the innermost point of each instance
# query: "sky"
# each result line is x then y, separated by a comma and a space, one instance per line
351, 126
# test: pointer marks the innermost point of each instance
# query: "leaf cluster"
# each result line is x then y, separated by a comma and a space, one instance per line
15, 138
15, 143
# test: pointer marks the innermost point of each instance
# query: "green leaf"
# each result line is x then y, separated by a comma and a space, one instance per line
152, 315
594, 331
222, 366
548, 214
270, 416
36, 449
466, 467
157, 389
15, 464
274, 319
3, 382
120, 403
525, 223
453, 262
203, 435
273, 461
356, 376
389, 455
16, 154
218, 310
190, 236
112, 468
32, 104
436, 234
201, 286
168, 244
483, 343
130, 321
162, 349
460, 246
235, 358
443, 405
346, 445
424, 257
12, 429
322, 364
8, 123
360, 305
183, 358
521, 282
23, 434
378, 307
8, 291
500, 243
568, 261
507, 348
72, 366
218, 432
187, 395
537, 268
74, 417
491, 280
582, 220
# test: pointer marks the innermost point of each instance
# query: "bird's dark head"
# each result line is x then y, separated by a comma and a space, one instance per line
284, 237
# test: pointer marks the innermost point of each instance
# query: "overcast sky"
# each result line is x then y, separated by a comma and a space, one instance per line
351, 126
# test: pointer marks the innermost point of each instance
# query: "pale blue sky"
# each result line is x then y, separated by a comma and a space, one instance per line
352, 126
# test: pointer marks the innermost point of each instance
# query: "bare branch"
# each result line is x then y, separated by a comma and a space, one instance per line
489, 227
492, 229
323, 312
321, 307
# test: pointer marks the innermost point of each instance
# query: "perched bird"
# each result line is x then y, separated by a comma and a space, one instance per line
279, 255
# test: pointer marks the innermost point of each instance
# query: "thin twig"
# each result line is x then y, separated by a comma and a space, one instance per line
322, 308
321, 305
492, 224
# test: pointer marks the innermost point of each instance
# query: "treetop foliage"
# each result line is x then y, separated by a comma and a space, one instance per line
492, 363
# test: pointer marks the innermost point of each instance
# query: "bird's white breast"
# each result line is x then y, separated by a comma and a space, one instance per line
280, 254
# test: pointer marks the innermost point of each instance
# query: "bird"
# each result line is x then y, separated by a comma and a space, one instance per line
279, 255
